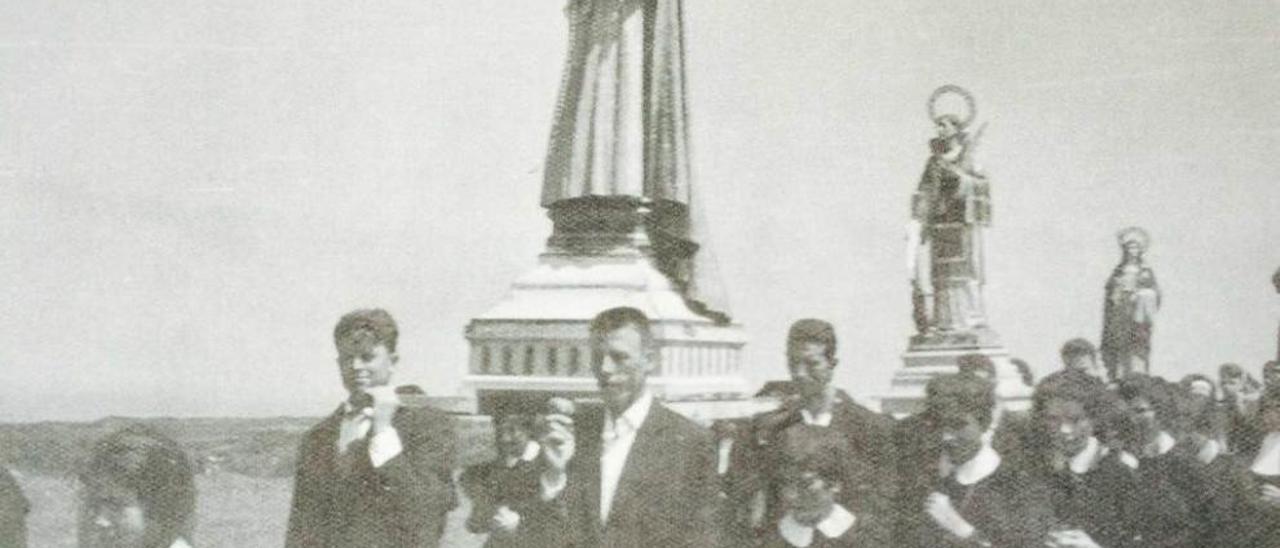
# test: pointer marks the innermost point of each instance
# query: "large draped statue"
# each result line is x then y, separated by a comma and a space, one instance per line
1132, 300
619, 151
951, 206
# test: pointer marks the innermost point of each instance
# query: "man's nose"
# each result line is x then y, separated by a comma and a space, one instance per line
1065, 429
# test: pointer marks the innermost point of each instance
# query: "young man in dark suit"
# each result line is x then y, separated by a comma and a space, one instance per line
375, 473
811, 399
634, 474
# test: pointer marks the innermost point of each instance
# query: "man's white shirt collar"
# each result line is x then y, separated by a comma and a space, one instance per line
821, 419
832, 526
1083, 461
630, 420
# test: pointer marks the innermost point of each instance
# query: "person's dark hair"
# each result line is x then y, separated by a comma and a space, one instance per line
1075, 348
614, 319
1270, 399
952, 396
1155, 390
523, 421
1230, 371
157, 470
811, 330
970, 364
1104, 409
814, 449
366, 328
1024, 371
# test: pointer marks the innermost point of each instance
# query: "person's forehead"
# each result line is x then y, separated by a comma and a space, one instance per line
357, 346
809, 348
1063, 406
627, 336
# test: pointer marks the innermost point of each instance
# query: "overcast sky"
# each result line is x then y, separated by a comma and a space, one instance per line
194, 191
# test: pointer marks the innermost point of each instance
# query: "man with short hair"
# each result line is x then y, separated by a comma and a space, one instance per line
811, 399
375, 473
1080, 355
634, 474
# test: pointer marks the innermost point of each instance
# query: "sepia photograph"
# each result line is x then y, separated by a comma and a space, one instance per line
639, 274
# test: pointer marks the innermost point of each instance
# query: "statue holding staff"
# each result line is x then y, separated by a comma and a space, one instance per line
951, 205
1132, 300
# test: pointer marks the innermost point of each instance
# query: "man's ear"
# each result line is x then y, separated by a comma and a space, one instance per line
395, 359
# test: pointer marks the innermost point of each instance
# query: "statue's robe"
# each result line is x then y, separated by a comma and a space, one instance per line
1128, 318
620, 130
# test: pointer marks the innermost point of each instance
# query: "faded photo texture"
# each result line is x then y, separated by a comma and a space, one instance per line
639, 273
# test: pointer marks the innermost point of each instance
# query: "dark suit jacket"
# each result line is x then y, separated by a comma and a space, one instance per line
870, 442
493, 484
13, 512
400, 504
665, 497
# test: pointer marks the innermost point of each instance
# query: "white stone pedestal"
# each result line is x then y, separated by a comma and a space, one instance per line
534, 343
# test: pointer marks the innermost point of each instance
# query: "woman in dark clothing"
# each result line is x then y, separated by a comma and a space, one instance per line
504, 491
811, 467
1086, 481
1226, 485
979, 500
1263, 492
1166, 506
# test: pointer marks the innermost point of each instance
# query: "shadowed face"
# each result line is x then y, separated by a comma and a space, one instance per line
806, 495
961, 437
111, 517
810, 367
1067, 426
621, 364
512, 437
365, 367
1086, 363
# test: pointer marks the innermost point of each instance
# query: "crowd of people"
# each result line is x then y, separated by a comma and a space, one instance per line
1097, 461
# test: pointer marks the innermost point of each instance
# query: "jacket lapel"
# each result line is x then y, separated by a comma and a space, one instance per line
639, 465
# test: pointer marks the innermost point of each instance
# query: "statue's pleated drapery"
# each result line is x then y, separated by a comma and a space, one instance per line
621, 129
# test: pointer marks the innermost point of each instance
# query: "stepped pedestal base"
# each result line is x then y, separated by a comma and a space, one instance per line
936, 354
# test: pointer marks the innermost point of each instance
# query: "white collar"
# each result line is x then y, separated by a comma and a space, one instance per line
1164, 442
1128, 459
531, 451
1084, 461
821, 419
180, 543
979, 467
1209, 452
832, 526
632, 418
1267, 463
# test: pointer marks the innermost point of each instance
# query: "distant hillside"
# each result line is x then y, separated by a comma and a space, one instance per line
251, 447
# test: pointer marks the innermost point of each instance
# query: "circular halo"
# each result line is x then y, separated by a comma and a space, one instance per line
963, 93
1134, 234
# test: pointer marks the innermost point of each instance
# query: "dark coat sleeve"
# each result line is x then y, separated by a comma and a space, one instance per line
419, 481
306, 513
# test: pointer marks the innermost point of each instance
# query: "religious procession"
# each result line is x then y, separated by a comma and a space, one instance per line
610, 384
